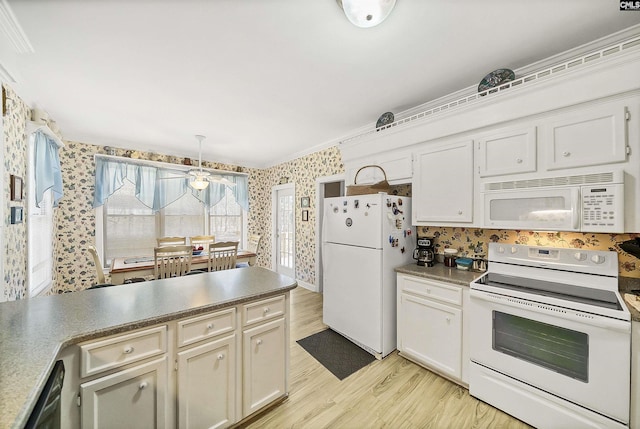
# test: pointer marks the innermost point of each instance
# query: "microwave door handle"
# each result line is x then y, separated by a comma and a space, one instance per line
575, 213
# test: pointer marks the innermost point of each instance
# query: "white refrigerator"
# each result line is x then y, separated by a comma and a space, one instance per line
364, 238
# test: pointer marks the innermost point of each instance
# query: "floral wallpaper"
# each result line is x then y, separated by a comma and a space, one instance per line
473, 242
303, 172
15, 162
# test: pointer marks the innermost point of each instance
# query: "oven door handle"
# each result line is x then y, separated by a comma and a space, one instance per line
573, 315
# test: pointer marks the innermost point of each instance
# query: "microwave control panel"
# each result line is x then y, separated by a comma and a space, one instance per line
603, 208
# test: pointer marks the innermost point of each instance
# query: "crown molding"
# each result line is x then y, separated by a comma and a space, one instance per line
13, 30
578, 51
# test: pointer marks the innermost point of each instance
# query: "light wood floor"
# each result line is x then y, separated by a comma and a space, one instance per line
392, 393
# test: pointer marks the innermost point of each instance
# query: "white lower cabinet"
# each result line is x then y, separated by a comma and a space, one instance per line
207, 384
206, 371
264, 365
132, 398
430, 325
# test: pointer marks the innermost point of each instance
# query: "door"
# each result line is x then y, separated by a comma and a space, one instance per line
507, 152
573, 355
443, 183
354, 220
352, 297
593, 136
133, 398
207, 385
284, 225
431, 333
326, 187
264, 365
541, 209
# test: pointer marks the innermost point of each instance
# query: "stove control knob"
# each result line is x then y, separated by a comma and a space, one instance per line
597, 259
500, 249
580, 256
513, 249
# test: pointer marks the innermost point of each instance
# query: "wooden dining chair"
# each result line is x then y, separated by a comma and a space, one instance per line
253, 244
96, 260
172, 261
202, 240
171, 241
222, 256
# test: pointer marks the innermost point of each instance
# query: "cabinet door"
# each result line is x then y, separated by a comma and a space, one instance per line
431, 333
133, 398
443, 183
592, 136
264, 365
507, 152
207, 384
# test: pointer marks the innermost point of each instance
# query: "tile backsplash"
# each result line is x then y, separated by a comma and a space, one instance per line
473, 242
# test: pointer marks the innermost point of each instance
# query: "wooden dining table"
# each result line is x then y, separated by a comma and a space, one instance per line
142, 266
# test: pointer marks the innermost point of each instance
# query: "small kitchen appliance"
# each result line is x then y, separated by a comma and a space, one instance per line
424, 253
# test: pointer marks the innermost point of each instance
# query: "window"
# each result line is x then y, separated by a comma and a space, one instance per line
225, 219
130, 228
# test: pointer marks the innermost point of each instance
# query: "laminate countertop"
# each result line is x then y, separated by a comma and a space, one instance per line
441, 272
453, 275
35, 330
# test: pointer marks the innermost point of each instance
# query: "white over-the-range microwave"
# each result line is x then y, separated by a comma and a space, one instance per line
588, 202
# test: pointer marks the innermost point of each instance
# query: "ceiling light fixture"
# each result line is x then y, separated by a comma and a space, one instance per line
199, 178
366, 13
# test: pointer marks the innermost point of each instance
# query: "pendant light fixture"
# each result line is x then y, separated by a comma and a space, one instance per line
366, 13
199, 178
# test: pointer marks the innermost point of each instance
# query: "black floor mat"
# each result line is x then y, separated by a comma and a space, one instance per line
336, 353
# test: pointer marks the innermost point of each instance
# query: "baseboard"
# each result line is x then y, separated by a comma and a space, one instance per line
309, 286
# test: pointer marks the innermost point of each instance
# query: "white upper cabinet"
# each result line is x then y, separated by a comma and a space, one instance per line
443, 183
396, 165
593, 136
507, 151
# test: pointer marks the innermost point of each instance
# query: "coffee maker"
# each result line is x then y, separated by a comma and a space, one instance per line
424, 253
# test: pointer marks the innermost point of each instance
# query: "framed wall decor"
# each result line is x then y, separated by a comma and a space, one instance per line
16, 188
305, 215
16, 215
304, 202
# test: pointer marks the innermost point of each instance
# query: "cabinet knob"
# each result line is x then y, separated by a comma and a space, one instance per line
459, 212
428, 290
128, 350
210, 326
566, 153
519, 160
448, 319
258, 342
266, 310
143, 385
220, 356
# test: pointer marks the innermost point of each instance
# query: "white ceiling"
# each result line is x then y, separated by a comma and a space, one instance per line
269, 80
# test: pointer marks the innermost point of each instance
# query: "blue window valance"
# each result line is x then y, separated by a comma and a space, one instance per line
47, 172
157, 186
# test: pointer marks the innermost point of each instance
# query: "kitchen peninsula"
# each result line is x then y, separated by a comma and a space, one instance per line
34, 333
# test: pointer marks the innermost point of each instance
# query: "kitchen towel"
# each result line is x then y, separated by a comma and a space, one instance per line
339, 355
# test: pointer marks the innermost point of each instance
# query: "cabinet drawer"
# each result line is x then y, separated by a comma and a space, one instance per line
105, 354
263, 310
433, 289
202, 327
